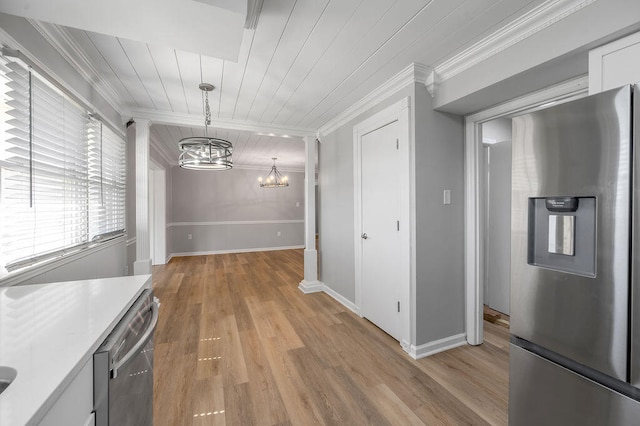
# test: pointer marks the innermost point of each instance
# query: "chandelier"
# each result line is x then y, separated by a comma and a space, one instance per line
274, 179
205, 153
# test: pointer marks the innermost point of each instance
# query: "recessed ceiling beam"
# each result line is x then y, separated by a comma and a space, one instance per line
193, 120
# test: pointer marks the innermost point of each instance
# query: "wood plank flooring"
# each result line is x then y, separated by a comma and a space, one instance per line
496, 317
238, 344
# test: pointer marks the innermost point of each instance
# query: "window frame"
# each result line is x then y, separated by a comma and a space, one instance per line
38, 263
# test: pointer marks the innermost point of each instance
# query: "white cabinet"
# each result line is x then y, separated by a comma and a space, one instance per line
615, 64
74, 407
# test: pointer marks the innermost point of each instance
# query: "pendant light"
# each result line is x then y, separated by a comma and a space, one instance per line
274, 179
204, 152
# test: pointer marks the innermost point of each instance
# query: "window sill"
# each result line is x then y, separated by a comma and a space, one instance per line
8, 279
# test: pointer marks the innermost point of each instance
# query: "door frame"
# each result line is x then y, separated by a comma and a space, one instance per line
398, 112
157, 213
474, 168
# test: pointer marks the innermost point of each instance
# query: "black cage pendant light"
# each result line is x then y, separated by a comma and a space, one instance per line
204, 152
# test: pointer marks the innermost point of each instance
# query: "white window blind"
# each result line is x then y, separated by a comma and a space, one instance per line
107, 174
62, 172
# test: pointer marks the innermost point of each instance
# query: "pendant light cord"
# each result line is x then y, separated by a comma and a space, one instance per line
207, 113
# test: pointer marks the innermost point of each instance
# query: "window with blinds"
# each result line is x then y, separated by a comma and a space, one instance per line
107, 171
62, 172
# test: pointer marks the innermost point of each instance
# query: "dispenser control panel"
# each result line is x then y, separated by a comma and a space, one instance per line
562, 234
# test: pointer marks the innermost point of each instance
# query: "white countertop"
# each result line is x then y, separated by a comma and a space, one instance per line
49, 331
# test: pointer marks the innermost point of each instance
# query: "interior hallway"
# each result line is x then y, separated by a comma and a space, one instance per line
238, 343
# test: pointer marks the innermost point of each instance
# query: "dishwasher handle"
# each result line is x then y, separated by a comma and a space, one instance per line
140, 343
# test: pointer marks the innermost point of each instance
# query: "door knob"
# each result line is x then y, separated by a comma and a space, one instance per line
364, 236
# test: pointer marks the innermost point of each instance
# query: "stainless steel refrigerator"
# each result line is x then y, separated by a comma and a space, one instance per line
575, 263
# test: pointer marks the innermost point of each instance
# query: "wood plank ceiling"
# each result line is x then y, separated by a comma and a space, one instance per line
306, 62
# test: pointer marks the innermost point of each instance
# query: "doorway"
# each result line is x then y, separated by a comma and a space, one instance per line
383, 221
474, 207
496, 147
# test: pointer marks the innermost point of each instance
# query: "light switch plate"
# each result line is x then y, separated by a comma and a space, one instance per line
447, 196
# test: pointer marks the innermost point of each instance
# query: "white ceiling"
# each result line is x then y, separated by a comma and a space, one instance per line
305, 63
191, 25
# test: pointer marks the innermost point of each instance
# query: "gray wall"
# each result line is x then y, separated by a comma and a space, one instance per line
439, 235
110, 259
439, 155
335, 202
201, 197
104, 262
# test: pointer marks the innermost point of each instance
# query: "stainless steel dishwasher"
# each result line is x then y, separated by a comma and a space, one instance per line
123, 368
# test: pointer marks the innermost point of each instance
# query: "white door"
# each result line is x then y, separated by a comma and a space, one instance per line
381, 244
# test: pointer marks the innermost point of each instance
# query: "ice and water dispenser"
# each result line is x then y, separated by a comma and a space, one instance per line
562, 234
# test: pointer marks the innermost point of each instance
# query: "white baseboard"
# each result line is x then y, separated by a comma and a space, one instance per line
142, 266
235, 222
308, 287
341, 299
417, 352
318, 286
243, 250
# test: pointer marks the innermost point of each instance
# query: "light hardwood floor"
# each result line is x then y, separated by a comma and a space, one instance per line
237, 343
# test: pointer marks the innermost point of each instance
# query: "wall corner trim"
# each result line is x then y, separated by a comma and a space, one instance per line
433, 82
414, 73
436, 346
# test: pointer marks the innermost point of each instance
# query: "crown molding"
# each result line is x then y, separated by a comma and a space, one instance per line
64, 43
537, 19
254, 7
432, 83
193, 120
414, 73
